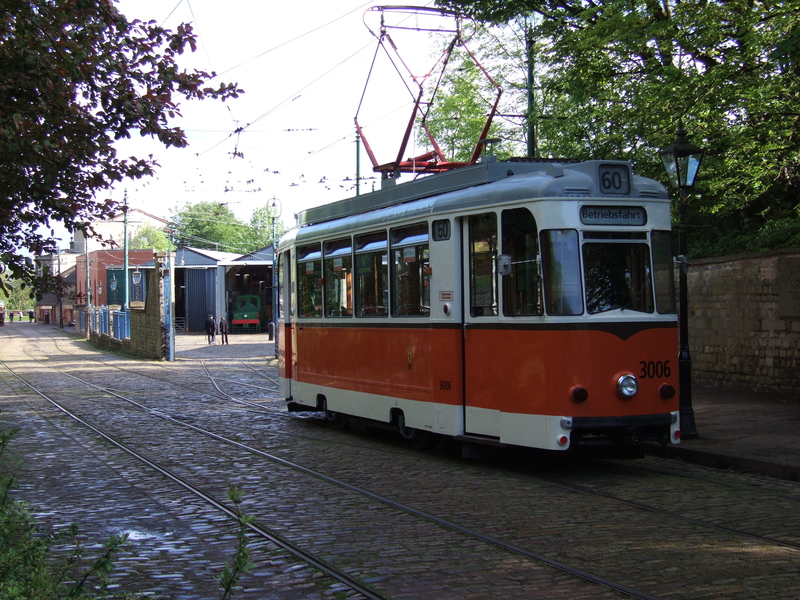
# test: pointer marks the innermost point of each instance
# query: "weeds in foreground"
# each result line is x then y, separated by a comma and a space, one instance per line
27, 569
240, 562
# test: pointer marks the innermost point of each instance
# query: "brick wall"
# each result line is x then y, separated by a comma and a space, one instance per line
737, 336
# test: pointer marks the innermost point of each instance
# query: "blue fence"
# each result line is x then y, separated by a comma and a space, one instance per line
103, 320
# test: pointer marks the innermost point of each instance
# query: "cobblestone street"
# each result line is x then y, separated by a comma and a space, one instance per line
657, 527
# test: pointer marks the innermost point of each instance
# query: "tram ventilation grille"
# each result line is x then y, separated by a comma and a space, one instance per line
576, 192
648, 194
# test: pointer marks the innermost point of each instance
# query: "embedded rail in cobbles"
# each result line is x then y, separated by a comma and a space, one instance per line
665, 531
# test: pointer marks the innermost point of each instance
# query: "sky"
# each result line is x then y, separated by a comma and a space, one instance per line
304, 69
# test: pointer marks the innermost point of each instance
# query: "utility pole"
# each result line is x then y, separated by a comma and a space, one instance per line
126, 297
358, 164
60, 292
275, 212
533, 149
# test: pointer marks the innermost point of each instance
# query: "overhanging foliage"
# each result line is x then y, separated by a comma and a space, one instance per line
614, 76
75, 77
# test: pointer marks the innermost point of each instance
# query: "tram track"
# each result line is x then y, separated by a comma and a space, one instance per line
253, 526
576, 488
263, 531
173, 384
598, 473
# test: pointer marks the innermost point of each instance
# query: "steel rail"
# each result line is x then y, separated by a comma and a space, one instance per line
574, 571
254, 526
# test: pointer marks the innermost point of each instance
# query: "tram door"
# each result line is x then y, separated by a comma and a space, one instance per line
501, 293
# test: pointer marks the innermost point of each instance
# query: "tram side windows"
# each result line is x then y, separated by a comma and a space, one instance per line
372, 275
562, 272
482, 265
283, 265
522, 291
618, 276
309, 281
663, 273
338, 278
410, 271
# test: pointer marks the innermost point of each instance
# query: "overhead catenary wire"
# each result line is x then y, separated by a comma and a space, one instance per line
286, 100
294, 39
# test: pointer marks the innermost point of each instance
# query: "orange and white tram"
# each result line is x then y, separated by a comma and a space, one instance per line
524, 302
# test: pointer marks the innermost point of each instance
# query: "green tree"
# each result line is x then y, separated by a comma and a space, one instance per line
214, 226
460, 108
74, 77
209, 225
615, 75
149, 237
20, 296
261, 228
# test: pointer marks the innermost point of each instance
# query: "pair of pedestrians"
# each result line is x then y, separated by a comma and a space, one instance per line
212, 328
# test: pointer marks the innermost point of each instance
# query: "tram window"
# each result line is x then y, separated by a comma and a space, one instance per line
618, 276
663, 273
522, 287
482, 263
372, 275
281, 281
309, 281
339, 278
562, 272
410, 271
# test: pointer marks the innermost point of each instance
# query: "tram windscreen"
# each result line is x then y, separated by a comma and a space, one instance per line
618, 276
562, 272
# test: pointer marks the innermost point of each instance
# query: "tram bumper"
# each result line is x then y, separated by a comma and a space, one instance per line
623, 430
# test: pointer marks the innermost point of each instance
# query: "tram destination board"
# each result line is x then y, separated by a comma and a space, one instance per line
613, 215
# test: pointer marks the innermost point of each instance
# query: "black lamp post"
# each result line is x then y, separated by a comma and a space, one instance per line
682, 162
274, 213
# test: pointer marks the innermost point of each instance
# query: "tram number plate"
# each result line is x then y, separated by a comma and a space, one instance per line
441, 230
654, 369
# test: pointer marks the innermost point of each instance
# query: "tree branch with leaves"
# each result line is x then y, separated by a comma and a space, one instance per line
75, 77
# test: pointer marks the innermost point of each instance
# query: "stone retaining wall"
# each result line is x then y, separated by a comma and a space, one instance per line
147, 330
738, 336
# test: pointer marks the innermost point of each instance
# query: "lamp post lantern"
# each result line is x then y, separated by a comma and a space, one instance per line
99, 292
113, 286
682, 162
137, 279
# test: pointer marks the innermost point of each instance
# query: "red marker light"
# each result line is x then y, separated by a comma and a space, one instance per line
666, 391
563, 440
578, 394
677, 434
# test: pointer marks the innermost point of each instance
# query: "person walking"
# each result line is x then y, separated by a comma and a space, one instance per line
211, 330
30, 316
11, 315
223, 331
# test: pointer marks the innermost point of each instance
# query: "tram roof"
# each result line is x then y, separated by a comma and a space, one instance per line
392, 194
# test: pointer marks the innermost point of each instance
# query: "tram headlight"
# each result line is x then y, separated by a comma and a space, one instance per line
627, 385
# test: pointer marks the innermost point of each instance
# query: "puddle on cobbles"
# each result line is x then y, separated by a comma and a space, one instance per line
138, 535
